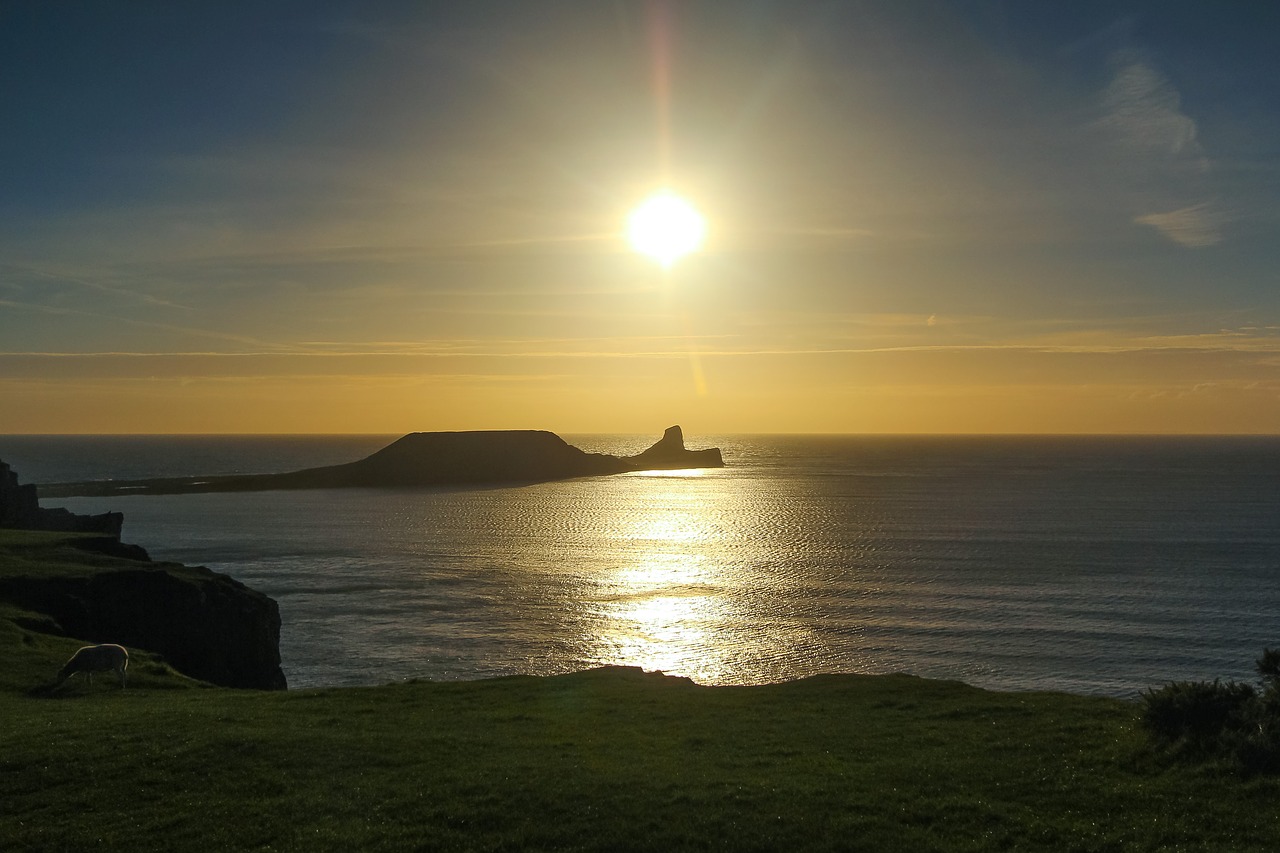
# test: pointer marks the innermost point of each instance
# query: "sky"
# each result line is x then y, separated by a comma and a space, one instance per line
365, 217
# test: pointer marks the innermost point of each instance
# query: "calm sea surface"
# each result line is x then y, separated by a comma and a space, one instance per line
1089, 565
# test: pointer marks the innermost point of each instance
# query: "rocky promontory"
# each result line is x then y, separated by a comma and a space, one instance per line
488, 457
96, 589
20, 510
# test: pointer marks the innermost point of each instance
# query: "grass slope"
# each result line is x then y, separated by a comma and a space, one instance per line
603, 760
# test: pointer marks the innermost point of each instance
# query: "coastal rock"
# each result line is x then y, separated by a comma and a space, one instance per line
670, 452
207, 625
427, 459
20, 509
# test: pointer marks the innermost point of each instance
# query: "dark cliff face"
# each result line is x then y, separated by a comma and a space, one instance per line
206, 625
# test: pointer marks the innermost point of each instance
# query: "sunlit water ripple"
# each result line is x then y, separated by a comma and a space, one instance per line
1087, 565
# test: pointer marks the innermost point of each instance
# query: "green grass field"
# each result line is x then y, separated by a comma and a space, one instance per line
602, 760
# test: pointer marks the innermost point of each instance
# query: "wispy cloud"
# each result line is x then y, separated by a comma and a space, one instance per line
1195, 227
1143, 115
131, 321
50, 275
1224, 341
1144, 109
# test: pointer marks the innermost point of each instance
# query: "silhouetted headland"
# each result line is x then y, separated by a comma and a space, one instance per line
20, 509
474, 458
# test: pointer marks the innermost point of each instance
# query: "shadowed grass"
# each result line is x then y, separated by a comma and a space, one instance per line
608, 760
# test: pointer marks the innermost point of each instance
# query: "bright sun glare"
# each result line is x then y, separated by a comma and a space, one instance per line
666, 228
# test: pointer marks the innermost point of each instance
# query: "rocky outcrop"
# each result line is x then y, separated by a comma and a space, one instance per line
436, 459
670, 453
20, 509
205, 624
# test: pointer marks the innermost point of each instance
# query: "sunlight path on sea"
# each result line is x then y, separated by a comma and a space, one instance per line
667, 607
686, 593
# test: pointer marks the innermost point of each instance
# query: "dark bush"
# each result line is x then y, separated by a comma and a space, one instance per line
1223, 720
1196, 710
1269, 666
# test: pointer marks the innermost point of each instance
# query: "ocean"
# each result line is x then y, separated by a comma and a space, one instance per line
1091, 565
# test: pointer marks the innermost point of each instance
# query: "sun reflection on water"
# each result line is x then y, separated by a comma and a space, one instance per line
670, 633
679, 526
669, 607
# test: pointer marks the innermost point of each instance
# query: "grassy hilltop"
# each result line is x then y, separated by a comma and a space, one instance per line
610, 759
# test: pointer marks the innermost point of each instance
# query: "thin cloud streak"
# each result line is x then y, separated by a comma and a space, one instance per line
1192, 345
47, 275
1195, 227
167, 327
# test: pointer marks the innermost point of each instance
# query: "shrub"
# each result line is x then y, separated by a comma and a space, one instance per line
1269, 666
1196, 711
1223, 720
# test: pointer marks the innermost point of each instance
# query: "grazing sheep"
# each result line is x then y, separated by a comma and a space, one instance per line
91, 659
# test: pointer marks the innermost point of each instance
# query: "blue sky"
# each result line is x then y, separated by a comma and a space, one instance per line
384, 217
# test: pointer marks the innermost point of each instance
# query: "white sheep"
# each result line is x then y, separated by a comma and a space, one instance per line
91, 659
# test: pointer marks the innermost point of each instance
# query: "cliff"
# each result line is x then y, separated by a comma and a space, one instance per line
435, 459
20, 509
98, 589
206, 625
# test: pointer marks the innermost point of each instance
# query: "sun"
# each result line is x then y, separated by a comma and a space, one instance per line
666, 228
